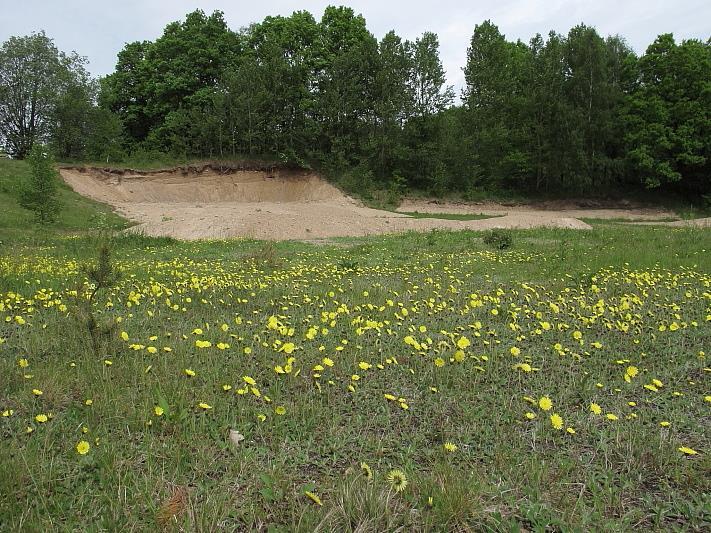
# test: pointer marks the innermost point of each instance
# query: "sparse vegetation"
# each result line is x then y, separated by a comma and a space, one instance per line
581, 318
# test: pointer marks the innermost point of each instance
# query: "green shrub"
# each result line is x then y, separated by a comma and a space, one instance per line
500, 239
40, 194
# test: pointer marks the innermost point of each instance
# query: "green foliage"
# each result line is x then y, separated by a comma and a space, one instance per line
573, 113
39, 194
78, 213
36, 80
668, 134
100, 276
499, 239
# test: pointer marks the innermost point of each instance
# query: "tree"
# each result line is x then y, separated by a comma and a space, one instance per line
427, 77
39, 195
495, 96
393, 102
345, 87
178, 72
34, 77
669, 122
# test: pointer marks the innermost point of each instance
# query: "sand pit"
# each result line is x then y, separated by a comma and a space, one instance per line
218, 202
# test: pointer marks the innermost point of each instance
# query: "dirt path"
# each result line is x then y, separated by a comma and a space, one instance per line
213, 203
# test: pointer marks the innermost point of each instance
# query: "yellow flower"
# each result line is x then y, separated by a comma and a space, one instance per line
280, 410
203, 344
545, 403
515, 351
366, 470
288, 347
313, 497
530, 415
23, 363
450, 447
41, 418
595, 408
556, 421
611, 416
83, 447
205, 406
158, 410
570, 431
37, 392
439, 362
463, 343
249, 381
688, 451
397, 480
665, 424
189, 372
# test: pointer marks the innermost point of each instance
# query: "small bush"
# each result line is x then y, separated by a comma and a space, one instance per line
499, 239
40, 194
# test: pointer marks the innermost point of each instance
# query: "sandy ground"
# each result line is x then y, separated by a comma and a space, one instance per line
211, 203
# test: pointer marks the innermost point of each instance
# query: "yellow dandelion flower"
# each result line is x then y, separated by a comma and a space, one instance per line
83, 447
397, 480
688, 451
545, 403
556, 421
450, 447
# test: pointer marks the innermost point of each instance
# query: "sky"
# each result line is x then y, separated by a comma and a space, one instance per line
98, 29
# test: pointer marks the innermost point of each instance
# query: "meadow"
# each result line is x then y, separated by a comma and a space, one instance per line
412, 382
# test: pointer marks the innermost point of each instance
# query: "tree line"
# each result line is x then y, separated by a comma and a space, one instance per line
577, 112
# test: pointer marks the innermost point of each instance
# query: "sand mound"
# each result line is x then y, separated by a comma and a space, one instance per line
261, 201
693, 223
580, 208
201, 184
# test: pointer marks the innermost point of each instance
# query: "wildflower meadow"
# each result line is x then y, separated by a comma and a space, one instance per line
415, 382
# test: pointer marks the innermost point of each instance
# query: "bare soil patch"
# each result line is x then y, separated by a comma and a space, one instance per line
264, 202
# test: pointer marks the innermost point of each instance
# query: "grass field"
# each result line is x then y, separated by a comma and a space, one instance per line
419, 382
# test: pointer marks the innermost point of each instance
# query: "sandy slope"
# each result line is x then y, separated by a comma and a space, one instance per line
206, 202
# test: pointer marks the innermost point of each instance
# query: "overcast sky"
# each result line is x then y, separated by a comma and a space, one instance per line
98, 29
